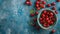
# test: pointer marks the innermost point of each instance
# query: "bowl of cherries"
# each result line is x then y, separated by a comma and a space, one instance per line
47, 19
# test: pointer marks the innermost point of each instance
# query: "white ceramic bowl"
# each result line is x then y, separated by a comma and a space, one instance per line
39, 17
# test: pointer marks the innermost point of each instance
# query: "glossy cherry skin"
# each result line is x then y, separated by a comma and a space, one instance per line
36, 13
37, 2
56, 12
43, 2
38, 8
44, 12
42, 6
28, 3
58, 0
32, 15
48, 5
37, 5
53, 8
53, 3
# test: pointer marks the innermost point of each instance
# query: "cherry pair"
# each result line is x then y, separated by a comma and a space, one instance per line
40, 4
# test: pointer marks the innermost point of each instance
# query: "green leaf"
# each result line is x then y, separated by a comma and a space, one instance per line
31, 11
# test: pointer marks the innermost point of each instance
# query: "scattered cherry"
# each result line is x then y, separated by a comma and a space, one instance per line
38, 8
28, 2
42, 5
53, 3
48, 5
53, 8
58, 0
39, 0
43, 2
53, 31
56, 12
36, 13
32, 15
37, 5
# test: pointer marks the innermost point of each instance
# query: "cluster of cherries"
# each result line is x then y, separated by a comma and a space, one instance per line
40, 4
47, 18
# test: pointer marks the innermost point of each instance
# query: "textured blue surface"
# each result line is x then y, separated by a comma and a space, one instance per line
14, 18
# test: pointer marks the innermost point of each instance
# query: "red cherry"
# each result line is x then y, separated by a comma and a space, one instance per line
30, 3
42, 6
35, 19
51, 22
51, 14
48, 5
41, 19
56, 12
32, 15
46, 16
54, 8
43, 2
53, 3
41, 22
48, 13
47, 19
44, 12
53, 19
47, 25
53, 31
37, 5
43, 15
58, 0
37, 2
38, 8
36, 13
27, 2
44, 25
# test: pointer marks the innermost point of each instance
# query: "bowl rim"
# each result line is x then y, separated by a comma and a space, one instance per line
39, 17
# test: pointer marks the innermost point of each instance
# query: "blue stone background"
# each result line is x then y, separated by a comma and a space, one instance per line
14, 18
